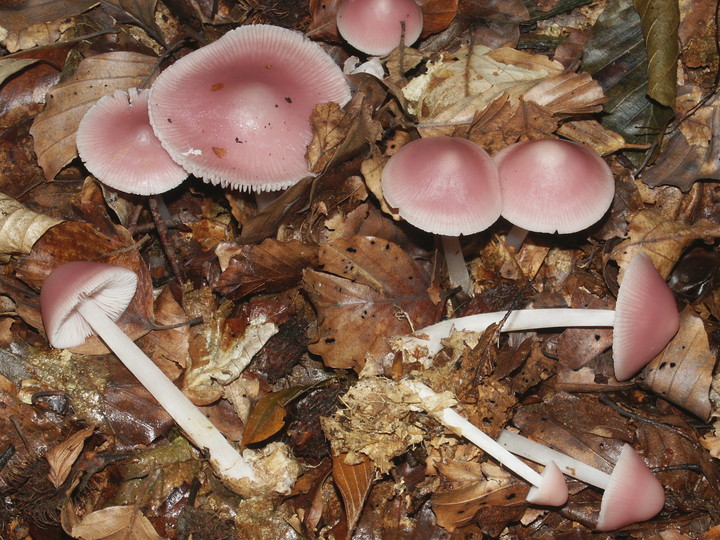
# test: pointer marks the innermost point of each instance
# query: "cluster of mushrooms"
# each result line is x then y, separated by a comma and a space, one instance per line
235, 113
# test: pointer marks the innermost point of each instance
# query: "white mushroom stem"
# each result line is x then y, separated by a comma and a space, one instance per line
523, 319
449, 418
222, 455
534, 451
458, 273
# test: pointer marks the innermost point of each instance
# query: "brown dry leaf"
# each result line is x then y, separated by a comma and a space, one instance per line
592, 134
20, 227
437, 15
339, 133
682, 373
662, 239
354, 482
268, 416
369, 291
568, 94
10, 66
62, 457
18, 16
115, 523
54, 128
271, 266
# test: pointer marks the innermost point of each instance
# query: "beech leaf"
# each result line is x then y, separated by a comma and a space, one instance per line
20, 227
268, 416
62, 457
10, 66
115, 523
17, 16
354, 483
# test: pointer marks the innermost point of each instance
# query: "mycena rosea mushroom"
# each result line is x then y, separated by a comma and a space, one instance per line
81, 298
118, 146
446, 186
548, 488
552, 185
644, 320
236, 112
632, 492
375, 26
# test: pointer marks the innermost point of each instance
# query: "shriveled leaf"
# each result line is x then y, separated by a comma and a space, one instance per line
17, 16
437, 15
10, 66
62, 457
20, 227
568, 94
271, 266
593, 134
662, 239
683, 372
660, 20
369, 290
268, 416
115, 523
140, 12
354, 482
54, 128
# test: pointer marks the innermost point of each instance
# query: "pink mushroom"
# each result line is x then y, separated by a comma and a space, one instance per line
236, 112
81, 298
446, 186
552, 186
118, 146
374, 26
632, 492
644, 320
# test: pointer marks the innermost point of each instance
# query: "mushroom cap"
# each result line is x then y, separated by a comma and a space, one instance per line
552, 491
373, 26
646, 317
110, 286
443, 185
236, 112
553, 185
633, 493
116, 142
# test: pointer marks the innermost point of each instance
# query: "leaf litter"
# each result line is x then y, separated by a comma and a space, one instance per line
282, 326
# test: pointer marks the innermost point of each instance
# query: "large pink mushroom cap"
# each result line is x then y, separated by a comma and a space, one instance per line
374, 26
553, 185
443, 185
646, 317
116, 142
236, 112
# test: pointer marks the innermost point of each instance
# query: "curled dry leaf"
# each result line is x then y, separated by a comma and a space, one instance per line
18, 16
114, 523
20, 227
54, 128
10, 66
683, 372
268, 416
568, 94
354, 482
62, 457
369, 291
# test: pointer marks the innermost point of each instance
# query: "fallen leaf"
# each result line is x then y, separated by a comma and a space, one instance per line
62, 457
682, 373
18, 16
354, 482
10, 66
20, 227
115, 523
369, 291
268, 416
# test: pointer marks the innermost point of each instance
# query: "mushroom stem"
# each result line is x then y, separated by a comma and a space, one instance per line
534, 451
224, 457
450, 418
457, 269
515, 237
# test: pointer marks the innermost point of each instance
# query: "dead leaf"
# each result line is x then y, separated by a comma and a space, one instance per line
369, 291
20, 227
62, 457
10, 66
354, 482
54, 128
115, 523
568, 94
17, 16
683, 372
268, 416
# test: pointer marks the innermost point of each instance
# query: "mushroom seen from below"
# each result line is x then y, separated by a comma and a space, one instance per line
116, 142
644, 320
447, 186
552, 185
81, 298
236, 112
376, 26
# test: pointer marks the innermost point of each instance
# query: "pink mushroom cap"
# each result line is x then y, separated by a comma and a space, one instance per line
116, 142
646, 317
633, 493
373, 26
109, 286
552, 491
236, 112
553, 185
443, 185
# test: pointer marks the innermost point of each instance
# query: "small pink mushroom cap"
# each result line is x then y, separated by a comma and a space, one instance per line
633, 493
236, 112
553, 185
373, 26
646, 317
118, 146
443, 185
110, 286
552, 491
